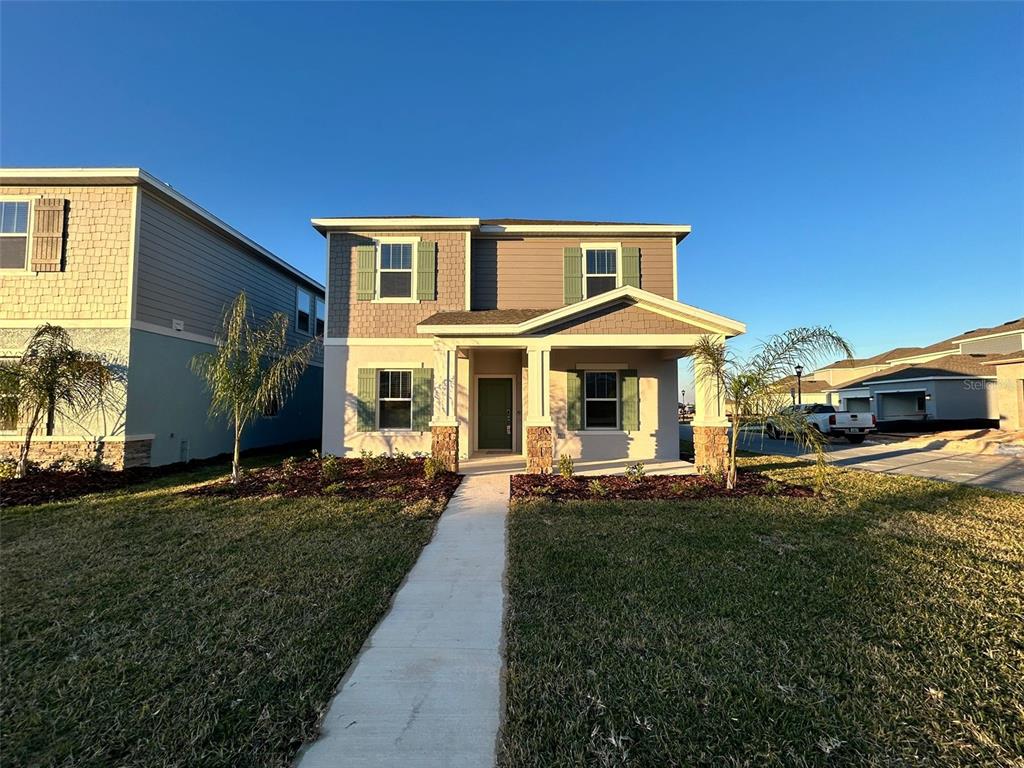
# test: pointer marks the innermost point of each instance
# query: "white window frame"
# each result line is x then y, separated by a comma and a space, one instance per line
617, 398
319, 313
310, 309
381, 399
411, 298
29, 226
617, 247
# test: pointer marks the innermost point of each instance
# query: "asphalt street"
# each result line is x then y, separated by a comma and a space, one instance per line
1003, 473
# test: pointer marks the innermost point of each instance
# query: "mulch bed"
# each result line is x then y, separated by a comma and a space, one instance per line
620, 487
376, 478
45, 485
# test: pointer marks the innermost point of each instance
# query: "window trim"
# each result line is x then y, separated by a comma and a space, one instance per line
310, 309
617, 247
617, 398
377, 243
29, 227
317, 304
380, 399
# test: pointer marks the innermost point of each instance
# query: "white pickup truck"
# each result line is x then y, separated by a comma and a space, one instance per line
827, 420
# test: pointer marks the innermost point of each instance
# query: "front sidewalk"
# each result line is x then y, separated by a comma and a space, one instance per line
426, 688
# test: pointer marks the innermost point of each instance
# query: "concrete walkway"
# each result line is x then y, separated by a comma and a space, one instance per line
425, 689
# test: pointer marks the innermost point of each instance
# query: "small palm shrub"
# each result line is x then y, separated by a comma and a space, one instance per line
565, 466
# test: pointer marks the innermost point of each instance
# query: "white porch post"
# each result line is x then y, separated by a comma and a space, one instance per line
540, 433
710, 424
444, 427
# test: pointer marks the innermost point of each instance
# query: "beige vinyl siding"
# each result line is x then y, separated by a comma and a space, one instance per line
188, 272
526, 273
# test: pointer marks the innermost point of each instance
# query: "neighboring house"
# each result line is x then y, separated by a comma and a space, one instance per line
467, 336
1009, 368
140, 275
949, 381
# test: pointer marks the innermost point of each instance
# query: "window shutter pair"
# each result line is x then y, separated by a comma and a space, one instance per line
48, 235
425, 277
629, 400
422, 399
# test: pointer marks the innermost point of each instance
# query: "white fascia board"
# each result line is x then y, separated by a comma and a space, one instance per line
680, 230
357, 224
139, 176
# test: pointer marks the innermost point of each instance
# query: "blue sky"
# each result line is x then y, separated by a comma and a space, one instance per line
858, 165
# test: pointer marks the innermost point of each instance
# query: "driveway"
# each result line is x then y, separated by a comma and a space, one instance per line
1001, 473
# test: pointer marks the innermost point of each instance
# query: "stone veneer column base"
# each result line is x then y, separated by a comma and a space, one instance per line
114, 454
444, 445
711, 449
540, 450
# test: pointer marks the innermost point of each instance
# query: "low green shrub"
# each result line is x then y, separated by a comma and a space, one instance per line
7, 469
432, 467
635, 472
330, 469
597, 488
335, 488
565, 466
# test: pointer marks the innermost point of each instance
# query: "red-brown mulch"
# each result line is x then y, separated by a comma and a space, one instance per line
379, 478
620, 487
45, 485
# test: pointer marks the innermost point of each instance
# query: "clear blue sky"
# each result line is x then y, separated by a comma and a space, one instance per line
859, 165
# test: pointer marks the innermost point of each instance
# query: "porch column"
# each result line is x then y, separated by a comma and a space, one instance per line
540, 429
710, 424
444, 427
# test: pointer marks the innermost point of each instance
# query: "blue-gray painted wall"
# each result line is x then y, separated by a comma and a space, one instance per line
167, 400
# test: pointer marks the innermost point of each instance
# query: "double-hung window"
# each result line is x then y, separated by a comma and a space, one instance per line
394, 400
13, 234
600, 269
321, 316
303, 310
394, 271
601, 400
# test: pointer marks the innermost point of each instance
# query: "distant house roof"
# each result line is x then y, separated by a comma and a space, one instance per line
806, 385
956, 366
1009, 357
879, 359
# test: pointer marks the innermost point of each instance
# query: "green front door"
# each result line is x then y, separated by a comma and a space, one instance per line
494, 414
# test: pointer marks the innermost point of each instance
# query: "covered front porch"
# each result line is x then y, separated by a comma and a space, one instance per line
569, 382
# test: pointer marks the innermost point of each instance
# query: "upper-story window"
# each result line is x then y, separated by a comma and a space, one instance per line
303, 310
394, 273
601, 268
321, 316
13, 233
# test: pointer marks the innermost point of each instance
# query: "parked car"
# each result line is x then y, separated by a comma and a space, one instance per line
827, 420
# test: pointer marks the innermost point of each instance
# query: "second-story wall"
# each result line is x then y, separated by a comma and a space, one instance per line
350, 317
526, 272
188, 271
94, 284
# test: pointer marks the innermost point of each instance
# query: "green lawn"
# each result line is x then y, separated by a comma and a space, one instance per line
884, 626
143, 627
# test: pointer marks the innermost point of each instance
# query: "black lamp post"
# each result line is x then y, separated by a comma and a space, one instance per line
799, 372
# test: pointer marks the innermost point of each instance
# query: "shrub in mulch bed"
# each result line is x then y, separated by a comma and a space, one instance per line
650, 487
378, 477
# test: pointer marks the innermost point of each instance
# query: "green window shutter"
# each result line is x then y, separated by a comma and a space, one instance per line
366, 401
630, 396
422, 398
631, 267
574, 400
426, 268
366, 266
572, 274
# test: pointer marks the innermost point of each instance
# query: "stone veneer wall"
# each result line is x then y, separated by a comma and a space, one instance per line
115, 454
711, 448
540, 450
348, 317
97, 263
444, 445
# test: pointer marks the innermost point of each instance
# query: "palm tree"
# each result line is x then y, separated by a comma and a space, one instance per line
50, 380
252, 371
752, 384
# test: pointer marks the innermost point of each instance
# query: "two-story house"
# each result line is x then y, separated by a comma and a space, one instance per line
467, 336
140, 274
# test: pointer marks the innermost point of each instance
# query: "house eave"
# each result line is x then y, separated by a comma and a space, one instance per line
370, 223
678, 231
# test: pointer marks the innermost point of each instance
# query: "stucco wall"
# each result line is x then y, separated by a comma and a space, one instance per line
1010, 395
170, 402
658, 437
97, 274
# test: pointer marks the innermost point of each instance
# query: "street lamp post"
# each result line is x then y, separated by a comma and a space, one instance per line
799, 372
